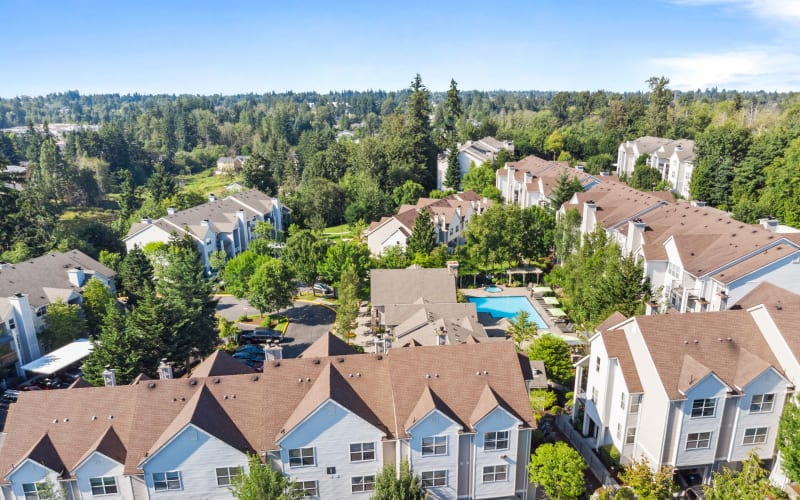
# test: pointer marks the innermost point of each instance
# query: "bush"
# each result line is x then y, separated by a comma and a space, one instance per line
556, 410
609, 455
243, 318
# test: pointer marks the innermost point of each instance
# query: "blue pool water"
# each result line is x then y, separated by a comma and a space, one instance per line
508, 307
493, 289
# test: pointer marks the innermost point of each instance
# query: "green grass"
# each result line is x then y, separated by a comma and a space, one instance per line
206, 182
337, 233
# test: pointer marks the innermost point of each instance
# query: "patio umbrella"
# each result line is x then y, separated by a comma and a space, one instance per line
556, 312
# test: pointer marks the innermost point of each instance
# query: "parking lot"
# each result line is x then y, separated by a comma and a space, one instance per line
307, 321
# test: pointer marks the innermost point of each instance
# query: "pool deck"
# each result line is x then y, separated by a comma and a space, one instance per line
496, 327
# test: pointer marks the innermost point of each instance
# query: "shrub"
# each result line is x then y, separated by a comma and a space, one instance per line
556, 410
243, 318
609, 455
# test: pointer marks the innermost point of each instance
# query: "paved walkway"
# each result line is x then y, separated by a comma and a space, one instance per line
580, 443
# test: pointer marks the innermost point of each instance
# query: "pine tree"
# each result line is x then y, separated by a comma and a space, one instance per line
423, 238
161, 184
452, 177
566, 186
453, 110
136, 274
348, 301
112, 348
424, 150
95, 304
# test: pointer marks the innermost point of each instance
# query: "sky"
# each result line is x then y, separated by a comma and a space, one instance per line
241, 46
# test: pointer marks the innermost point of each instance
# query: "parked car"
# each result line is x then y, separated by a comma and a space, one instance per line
10, 396
260, 336
322, 288
255, 357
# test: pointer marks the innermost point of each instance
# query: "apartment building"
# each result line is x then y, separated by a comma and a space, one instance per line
472, 153
530, 181
674, 160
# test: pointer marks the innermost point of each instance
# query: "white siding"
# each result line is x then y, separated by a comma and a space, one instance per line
497, 420
385, 236
709, 387
98, 465
148, 235
196, 455
330, 430
437, 424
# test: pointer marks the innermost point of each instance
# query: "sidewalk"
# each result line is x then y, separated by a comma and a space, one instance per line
578, 442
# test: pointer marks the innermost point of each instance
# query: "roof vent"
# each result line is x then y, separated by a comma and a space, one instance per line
340, 360
94, 417
379, 357
192, 382
276, 363
151, 385
477, 372
427, 375
216, 380
350, 375
308, 379
55, 420
696, 341
358, 374
779, 306
225, 396
111, 417
316, 361
300, 381
254, 378
685, 342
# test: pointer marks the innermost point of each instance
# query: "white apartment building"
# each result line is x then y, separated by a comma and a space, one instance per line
329, 423
225, 224
471, 153
530, 181
674, 159
692, 392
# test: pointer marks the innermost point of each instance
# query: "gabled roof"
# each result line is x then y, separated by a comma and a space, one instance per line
412, 286
428, 402
109, 444
203, 411
140, 378
43, 452
220, 363
617, 347
327, 345
613, 320
79, 383
329, 385
487, 402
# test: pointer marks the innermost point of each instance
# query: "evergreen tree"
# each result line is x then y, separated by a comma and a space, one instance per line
127, 194
96, 296
136, 274
391, 486
258, 173
452, 177
303, 251
349, 289
112, 348
424, 151
423, 238
788, 440
161, 184
453, 110
566, 186
522, 329
658, 109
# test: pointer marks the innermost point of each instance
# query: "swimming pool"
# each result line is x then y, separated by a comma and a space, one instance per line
508, 307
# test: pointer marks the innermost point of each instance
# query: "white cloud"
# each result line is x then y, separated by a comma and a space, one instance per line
779, 10
741, 70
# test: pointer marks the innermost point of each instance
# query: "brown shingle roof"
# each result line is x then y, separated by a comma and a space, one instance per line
617, 347
427, 402
109, 444
220, 363
327, 345
412, 286
613, 320
44, 452
783, 308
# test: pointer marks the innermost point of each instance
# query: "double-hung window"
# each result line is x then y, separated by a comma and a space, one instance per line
106, 485
434, 478
35, 491
495, 473
306, 488
704, 407
493, 441
636, 402
622, 400
362, 452
361, 484
164, 481
755, 435
630, 436
226, 475
302, 457
698, 440
762, 403
435, 445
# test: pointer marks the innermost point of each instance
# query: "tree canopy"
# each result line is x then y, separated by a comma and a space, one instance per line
558, 469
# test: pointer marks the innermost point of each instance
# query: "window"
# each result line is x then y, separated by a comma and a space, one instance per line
361, 452
12, 324
762, 403
306, 488
41, 311
594, 395
619, 431
756, 435
698, 440
360, 484
33, 490
163, 481
436, 445
703, 407
103, 485
302, 457
225, 475
636, 402
630, 436
495, 473
597, 364
434, 478
622, 400
495, 440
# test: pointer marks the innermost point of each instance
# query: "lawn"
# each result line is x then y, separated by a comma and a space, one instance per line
206, 182
337, 233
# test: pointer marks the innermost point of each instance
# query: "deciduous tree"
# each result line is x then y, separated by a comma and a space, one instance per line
749, 483
522, 329
558, 469
554, 352
389, 485
63, 324
261, 482
649, 484
96, 296
270, 287
788, 440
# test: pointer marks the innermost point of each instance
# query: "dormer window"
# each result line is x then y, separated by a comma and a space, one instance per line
704, 407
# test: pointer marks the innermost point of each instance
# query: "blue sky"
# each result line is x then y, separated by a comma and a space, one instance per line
198, 46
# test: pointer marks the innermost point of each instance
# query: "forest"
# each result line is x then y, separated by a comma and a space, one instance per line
83, 189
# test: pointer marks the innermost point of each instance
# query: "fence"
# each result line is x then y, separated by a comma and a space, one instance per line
579, 443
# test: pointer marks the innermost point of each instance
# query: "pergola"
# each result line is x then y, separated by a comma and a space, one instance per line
524, 271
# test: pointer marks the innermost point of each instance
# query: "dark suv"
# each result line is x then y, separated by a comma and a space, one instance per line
260, 336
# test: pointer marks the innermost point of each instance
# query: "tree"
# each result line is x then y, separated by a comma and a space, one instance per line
542, 400
788, 440
453, 110
127, 194
349, 289
239, 270
391, 486
136, 275
393, 257
161, 184
63, 324
558, 469
452, 176
217, 260
423, 238
599, 163
115, 348
96, 296
303, 251
257, 172
554, 143
658, 109
339, 256
566, 186
649, 484
408, 193
554, 352
522, 329
262, 481
749, 483
644, 178
423, 150
479, 179
270, 287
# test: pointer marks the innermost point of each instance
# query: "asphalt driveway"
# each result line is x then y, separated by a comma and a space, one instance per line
307, 321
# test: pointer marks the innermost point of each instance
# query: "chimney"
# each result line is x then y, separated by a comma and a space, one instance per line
109, 377
164, 369
171, 210
76, 276
452, 268
635, 235
580, 168
679, 147
698, 203
723, 300
528, 177
212, 197
147, 221
25, 329
770, 224
273, 352
205, 222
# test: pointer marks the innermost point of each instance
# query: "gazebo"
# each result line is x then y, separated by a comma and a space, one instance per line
524, 271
